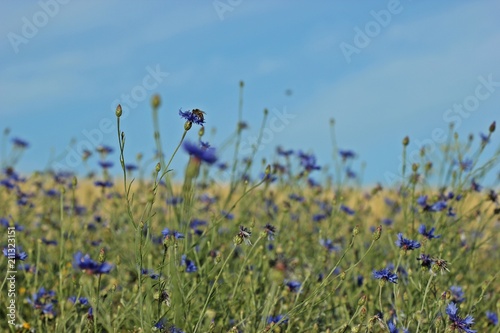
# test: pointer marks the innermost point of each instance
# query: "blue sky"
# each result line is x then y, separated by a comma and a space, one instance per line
382, 69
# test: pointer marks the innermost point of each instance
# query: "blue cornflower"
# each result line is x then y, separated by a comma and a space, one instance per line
485, 139
387, 221
131, 167
48, 242
347, 210
190, 265
329, 245
105, 164
192, 117
27, 268
349, 173
427, 234
406, 244
457, 294
319, 217
90, 266
203, 154
475, 186
492, 318
4, 222
103, 183
438, 206
466, 164
270, 230
195, 223
392, 327
422, 200
167, 232
81, 300
293, 286
44, 300
426, 260
385, 275
296, 197
15, 253
103, 149
283, 152
451, 212
20, 143
308, 161
346, 154
151, 273
276, 319
161, 325
227, 215
463, 324
174, 201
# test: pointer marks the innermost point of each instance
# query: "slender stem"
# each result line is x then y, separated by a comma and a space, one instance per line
214, 285
96, 310
423, 300
380, 297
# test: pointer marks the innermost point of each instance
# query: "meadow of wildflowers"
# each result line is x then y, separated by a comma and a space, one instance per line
288, 249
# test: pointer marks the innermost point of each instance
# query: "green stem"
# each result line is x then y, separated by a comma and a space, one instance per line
423, 300
214, 285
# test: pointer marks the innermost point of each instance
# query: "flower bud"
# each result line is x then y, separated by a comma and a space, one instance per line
406, 141
492, 127
268, 170
155, 101
102, 256
362, 300
118, 111
188, 125
158, 167
355, 231
377, 233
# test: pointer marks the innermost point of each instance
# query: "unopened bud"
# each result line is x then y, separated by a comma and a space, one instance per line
158, 167
102, 256
266, 111
201, 131
155, 101
268, 170
242, 84
355, 231
118, 111
188, 125
74, 182
377, 233
406, 141
362, 300
493, 126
